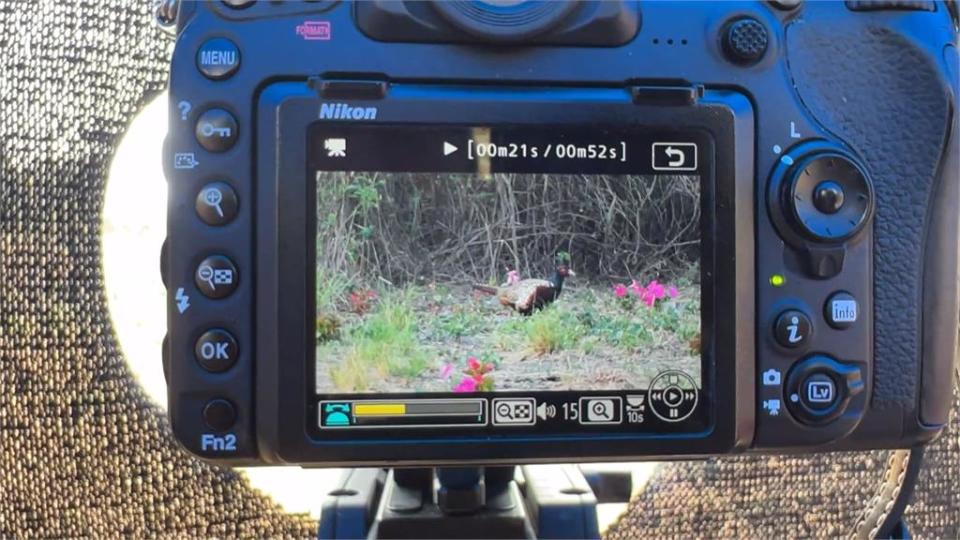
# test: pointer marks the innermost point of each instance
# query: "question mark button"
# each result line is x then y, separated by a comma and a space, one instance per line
184, 107
218, 58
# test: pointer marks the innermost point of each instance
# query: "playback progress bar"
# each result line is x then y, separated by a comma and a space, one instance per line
403, 413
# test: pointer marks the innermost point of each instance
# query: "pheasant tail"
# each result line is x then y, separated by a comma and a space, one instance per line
486, 289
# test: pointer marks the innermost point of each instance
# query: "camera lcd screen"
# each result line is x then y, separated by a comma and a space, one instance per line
507, 280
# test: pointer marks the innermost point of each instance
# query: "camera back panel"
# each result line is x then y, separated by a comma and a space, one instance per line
824, 278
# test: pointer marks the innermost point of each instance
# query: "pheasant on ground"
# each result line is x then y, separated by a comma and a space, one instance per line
526, 295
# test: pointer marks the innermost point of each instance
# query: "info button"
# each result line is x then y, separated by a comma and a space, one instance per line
841, 310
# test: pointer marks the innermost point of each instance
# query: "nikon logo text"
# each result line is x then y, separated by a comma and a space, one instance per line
342, 111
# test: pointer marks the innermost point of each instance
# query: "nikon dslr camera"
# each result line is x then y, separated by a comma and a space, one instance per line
407, 232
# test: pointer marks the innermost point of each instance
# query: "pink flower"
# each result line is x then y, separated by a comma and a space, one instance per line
620, 290
473, 364
636, 289
672, 292
656, 289
512, 277
649, 299
468, 384
446, 370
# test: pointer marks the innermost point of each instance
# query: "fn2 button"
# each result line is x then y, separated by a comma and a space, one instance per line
792, 329
219, 414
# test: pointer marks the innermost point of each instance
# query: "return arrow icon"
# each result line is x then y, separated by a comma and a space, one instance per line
674, 156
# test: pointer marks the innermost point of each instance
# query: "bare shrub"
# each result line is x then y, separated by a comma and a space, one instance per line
415, 227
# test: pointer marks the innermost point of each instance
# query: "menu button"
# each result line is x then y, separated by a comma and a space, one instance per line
218, 58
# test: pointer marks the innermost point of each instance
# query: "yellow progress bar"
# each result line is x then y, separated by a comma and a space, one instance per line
379, 409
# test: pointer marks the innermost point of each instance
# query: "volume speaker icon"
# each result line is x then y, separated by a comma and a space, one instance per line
545, 411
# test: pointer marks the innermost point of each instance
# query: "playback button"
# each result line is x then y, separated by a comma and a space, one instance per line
673, 396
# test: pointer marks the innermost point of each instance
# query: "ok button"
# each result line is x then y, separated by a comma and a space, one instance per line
216, 350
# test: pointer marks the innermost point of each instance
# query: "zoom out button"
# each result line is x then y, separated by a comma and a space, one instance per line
514, 411
216, 277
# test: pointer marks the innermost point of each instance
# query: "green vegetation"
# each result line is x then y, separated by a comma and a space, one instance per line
459, 323
553, 330
383, 344
331, 290
407, 336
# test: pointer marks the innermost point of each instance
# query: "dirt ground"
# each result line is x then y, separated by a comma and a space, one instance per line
587, 340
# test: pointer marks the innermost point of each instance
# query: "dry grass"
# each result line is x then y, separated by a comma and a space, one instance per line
418, 228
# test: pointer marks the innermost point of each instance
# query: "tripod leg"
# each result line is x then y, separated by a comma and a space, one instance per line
348, 510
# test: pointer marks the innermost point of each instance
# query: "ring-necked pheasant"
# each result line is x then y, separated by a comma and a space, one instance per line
527, 295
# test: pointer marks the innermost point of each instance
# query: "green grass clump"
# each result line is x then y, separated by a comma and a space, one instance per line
508, 335
553, 329
459, 323
332, 288
625, 332
383, 344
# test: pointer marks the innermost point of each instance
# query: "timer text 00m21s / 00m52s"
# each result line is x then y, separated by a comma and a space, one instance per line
599, 151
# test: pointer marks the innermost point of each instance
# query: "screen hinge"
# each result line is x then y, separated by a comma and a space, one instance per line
349, 88
667, 95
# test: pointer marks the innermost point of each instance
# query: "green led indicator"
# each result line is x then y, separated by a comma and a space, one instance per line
778, 280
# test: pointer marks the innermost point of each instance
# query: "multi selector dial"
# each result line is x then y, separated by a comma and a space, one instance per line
827, 197
820, 198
